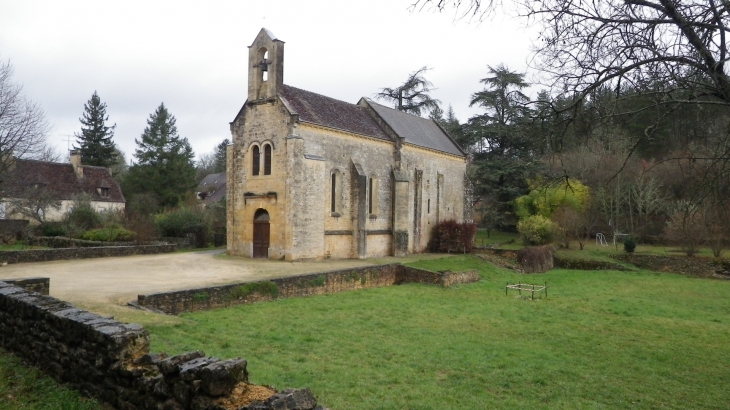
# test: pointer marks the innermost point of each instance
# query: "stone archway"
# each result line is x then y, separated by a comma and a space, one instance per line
261, 234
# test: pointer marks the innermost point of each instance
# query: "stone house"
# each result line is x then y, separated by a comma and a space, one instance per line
31, 182
312, 177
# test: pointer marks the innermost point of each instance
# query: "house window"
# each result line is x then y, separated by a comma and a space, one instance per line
256, 159
428, 207
104, 192
267, 159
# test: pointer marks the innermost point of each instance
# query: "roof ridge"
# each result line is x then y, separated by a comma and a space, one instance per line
321, 95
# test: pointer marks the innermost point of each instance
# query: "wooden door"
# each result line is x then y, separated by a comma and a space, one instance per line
261, 239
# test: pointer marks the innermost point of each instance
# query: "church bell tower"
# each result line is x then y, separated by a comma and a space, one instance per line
265, 66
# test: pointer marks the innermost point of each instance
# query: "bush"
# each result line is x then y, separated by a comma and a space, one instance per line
180, 221
82, 217
110, 234
536, 230
629, 245
537, 259
451, 236
52, 229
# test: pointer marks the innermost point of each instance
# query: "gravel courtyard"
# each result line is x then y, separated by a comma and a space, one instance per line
106, 285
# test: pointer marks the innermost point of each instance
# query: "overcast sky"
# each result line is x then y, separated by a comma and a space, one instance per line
193, 56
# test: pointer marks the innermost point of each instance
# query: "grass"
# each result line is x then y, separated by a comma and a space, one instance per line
24, 387
603, 339
20, 246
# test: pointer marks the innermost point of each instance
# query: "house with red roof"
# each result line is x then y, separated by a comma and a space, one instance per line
49, 189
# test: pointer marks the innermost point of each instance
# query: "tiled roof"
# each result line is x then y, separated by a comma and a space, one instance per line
61, 179
416, 130
214, 187
329, 112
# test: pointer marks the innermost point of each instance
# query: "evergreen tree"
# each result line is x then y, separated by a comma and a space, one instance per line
164, 161
95, 141
220, 156
412, 96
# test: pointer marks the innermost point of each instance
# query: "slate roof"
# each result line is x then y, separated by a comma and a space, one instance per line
416, 130
213, 188
61, 179
329, 112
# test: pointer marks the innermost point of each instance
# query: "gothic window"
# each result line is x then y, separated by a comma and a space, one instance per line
267, 159
255, 160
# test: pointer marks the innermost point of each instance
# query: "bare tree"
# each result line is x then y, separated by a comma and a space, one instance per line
412, 96
23, 126
33, 202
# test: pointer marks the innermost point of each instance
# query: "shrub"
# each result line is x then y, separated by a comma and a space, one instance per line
536, 259
536, 230
52, 229
110, 234
686, 229
451, 236
629, 245
83, 216
178, 222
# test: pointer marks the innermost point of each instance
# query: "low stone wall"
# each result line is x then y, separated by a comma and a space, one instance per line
13, 227
583, 264
110, 361
692, 266
45, 255
214, 297
64, 242
38, 285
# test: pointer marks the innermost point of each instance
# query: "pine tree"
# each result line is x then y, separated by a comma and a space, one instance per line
220, 156
413, 95
95, 141
164, 161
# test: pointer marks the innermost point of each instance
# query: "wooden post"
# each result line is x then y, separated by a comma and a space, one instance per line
506, 288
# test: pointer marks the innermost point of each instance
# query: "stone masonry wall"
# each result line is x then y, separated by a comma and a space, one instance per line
214, 297
38, 285
695, 266
45, 255
110, 361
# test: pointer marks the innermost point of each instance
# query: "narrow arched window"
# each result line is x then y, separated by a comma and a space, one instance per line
373, 196
370, 197
267, 159
256, 160
333, 201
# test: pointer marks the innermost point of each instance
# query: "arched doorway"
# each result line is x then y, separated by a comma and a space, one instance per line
261, 234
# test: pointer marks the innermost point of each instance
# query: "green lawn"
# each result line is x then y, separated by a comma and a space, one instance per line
602, 339
23, 387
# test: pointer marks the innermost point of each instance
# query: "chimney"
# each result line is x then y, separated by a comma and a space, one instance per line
75, 157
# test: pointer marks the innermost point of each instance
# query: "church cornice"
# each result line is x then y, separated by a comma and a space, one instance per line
434, 151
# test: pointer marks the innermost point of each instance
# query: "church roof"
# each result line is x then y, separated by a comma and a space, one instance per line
416, 130
60, 179
329, 112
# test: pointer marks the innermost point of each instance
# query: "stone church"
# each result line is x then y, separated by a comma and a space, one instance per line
312, 177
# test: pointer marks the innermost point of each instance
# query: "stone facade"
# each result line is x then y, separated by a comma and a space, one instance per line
330, 179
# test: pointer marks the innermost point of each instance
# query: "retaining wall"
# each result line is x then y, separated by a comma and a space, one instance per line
692, 266
38, 285
45, 255
110, 361
214, 297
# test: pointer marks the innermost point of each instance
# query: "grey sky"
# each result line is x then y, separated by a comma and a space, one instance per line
192, 56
